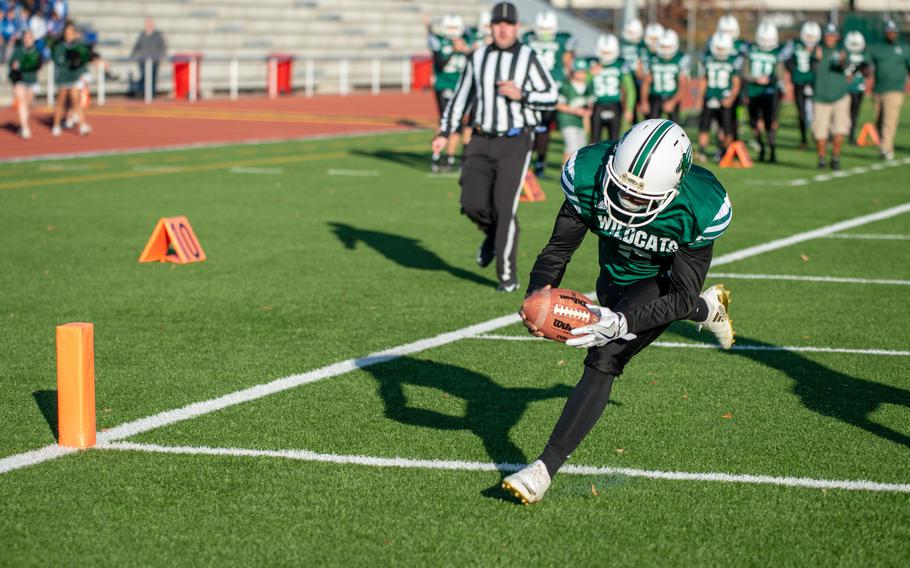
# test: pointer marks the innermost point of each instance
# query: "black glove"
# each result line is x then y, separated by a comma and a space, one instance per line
15, 75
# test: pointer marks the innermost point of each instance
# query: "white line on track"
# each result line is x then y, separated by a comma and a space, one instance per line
256, 171
681, 345
452, 465
353, 173
795, 278
870, 236
169, 417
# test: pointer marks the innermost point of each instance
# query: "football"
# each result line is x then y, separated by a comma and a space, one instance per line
553, 313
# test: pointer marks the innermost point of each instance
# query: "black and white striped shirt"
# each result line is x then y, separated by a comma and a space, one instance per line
494, 113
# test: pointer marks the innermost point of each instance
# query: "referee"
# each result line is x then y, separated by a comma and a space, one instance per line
510, 86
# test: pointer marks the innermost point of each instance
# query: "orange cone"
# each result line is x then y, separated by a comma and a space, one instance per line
531, 190
736, 152
868, 136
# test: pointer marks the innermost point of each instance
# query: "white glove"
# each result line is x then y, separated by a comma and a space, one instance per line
609, 327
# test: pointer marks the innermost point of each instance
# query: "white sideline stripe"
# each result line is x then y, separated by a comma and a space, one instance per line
870, 236
828, 177
162, 169
265, 171
33, 457
168, 417
454, 465
681, 345
64, 167
361, 173
791, 277
809, 235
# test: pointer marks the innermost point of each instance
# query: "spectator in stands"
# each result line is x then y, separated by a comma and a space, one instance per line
23, 73
55, 26
10, 28
891, 60
60, 8
831, 113
149, 45
38, 26
71, 58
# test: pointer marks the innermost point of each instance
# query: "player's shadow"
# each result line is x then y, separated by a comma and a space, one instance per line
825, 390
416, 160
491, 410
404, 251
47, 404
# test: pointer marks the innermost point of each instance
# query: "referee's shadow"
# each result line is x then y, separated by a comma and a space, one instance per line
823, 389
403, 251
415, 160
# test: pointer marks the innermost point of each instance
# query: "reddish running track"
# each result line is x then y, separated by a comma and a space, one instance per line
129, 125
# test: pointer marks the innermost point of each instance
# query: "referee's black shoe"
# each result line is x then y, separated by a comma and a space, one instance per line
487, 251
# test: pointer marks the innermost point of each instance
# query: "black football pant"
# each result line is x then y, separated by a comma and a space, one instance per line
613, 114
542, 135
656, 103
589, 398
856, 100
802, 100
492, 175
764, 108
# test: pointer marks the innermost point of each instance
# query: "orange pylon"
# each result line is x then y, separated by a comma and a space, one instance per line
76, 385
531, 190
868, 136
736, 151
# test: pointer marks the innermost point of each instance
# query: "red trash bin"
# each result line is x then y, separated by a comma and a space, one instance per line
280, 69
183, 79
421, 72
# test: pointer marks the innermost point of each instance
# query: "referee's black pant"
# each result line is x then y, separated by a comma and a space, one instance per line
492, 175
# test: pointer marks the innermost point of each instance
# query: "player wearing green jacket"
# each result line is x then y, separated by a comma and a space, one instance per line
798, 60
450, 56
71, 58
718, 91
556, 50
891, 59
573, 108
24, 64
665, 82
655, 217
763, 70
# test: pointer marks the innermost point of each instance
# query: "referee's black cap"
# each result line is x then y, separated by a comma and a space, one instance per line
504, 12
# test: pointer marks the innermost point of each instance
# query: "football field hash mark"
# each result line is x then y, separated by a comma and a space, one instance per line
457, 465
193, 410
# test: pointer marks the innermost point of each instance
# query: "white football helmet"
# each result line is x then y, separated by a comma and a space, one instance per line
855, 42
483, 23
452, 26
607, 48
766, 36
728, 24
653, 33
810, 34
546, 25
721, 45
668, 44
645, 170
632, 31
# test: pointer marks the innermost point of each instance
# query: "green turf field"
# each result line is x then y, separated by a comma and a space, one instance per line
324, 252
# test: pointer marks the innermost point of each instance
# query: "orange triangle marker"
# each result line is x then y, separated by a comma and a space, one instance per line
173, 240
736, 151
868, 136
531, 190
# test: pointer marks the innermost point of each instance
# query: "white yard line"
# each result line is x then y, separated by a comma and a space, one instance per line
169, 417
256, 171
818, 178
870, 236
454, 465
353, 173
795, 278
682, 345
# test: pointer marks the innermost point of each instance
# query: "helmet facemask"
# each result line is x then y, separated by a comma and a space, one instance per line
627, 201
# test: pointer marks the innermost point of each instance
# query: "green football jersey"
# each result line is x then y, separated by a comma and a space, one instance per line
606, 85
856, 62
762, 64
665, 73
551, 52
574, 96
447, 63
630, 52
719, 75
699, 214
800, 64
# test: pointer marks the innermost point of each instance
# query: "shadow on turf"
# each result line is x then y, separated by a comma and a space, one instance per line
47, 404
824, 390
404, 251
491, 410
416, 160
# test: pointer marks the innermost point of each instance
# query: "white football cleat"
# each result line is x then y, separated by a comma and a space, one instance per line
55, 131
719, 321
25, 133
84, 129
529, 484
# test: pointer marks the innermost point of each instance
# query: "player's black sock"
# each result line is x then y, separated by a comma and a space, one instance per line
582, 411
701, 311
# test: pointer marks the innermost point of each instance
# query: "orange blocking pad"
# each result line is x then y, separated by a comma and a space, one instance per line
76, 385
736, 152
868, 136
530, 189
173, 240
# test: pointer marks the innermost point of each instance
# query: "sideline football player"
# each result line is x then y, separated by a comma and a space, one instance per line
656, 218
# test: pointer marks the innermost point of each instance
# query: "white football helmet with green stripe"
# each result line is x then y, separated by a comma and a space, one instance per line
644, 171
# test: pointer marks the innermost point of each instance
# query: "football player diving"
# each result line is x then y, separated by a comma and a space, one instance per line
656, 217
